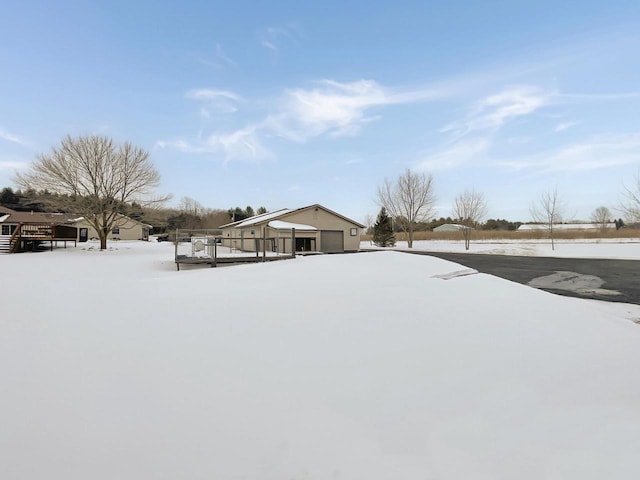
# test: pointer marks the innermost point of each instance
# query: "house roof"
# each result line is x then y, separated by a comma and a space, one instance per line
257, 219
35, 217
11, 216
5, 210
266, 218
286, 225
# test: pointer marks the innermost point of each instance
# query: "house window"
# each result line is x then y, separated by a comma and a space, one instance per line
354, 232
6, 229
116, 231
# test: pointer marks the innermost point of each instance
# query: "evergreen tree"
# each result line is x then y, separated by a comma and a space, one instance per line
383, 235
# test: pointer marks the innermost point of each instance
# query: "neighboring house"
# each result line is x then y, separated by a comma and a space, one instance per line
24, 230
450, 227
126, 228
317, 229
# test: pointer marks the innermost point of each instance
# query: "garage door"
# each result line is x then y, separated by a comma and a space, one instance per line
332, 241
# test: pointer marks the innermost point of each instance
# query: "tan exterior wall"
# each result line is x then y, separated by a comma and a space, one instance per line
128, 229
323, 220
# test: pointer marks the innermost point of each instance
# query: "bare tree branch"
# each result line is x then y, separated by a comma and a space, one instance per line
409, 200
470, 208
548, 210
631, 203
95, 178
601, 217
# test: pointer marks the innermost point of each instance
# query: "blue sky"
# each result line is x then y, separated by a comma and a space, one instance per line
284, 104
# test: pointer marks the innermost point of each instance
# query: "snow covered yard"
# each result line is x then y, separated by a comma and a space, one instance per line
365, 366
627, 248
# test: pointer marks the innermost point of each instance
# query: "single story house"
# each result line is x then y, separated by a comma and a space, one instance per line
24, 230
33, 227
315, 229
126, 228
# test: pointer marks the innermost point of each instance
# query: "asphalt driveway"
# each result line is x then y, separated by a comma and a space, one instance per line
601, 279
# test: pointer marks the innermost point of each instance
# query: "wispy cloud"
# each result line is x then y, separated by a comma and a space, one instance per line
13, 165
561, 127
240, 144
11, 137
336, 108
593, 97
215, 101
329, 108
221, 55
354, 161
470, 138
339, 109
467, 150
599, 152
272, 38
493, 111
219, 60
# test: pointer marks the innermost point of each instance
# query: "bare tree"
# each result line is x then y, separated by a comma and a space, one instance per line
369, 221
548, 210
601, 217
631, 203
470, 208
191, 206
410, 199
95, 178
192, 213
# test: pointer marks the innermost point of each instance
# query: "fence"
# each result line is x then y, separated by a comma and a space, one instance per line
214, 247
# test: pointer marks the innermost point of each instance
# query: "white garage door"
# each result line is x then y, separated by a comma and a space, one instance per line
332, 241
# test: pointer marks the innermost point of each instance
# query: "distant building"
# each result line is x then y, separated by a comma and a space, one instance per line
450, 227
564, 226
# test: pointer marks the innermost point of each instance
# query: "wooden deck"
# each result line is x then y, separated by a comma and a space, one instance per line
28, 236
213, 262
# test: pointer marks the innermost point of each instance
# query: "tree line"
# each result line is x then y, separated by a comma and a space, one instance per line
407, 205
189, 214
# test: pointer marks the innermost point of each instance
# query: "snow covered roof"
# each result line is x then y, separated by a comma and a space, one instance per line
265, 217
449, 227
257, 219
287, 225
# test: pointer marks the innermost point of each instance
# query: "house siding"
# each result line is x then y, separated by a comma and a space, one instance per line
128, 229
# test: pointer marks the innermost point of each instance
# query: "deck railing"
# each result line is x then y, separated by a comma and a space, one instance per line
46, 232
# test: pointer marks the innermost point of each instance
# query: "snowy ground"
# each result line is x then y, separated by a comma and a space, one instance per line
373, 366
627, 248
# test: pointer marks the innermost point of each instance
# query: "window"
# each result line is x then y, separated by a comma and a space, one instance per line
8, 229
116, 231
354, 232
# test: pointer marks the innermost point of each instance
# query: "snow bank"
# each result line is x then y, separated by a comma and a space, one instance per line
363, 366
